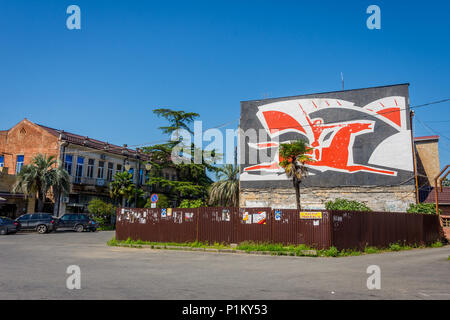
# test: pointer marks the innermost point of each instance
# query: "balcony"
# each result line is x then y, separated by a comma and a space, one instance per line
83, 181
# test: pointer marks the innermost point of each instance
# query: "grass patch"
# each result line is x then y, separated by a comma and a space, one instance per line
436, 244
269, 248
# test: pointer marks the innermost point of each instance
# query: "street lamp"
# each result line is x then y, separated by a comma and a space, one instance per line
148, 166
127, 166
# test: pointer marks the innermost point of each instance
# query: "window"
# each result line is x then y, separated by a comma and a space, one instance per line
90, 168
110, 171
141, 176
2, 161
24, 217
119, 168
79, 171
19, 164
68, 163
101, 166
446, 222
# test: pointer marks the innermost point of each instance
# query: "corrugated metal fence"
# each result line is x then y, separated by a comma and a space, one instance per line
341, 229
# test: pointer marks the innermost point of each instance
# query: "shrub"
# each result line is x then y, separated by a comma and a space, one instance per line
346, 205
101, 211
429, 208
186, 203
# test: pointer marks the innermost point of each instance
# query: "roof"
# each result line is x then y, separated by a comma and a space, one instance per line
426, 138
443, 197
93, 143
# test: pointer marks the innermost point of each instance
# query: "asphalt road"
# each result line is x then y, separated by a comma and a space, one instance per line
33, 266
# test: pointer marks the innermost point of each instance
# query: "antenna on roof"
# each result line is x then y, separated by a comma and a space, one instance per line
342, 78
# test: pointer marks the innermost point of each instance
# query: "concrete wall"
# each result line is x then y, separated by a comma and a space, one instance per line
377, 198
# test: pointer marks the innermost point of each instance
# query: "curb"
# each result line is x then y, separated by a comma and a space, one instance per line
304, 253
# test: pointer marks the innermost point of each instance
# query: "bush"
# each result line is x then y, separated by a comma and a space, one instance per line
101, 211
346, 205
192, 203
429, 208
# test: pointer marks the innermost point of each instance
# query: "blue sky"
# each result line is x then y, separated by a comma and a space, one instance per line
206, 56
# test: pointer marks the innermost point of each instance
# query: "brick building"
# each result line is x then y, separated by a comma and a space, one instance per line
91, 165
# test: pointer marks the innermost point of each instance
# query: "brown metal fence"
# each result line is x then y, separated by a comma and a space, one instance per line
344, 230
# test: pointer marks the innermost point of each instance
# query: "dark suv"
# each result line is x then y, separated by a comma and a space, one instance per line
41, 222
76, 221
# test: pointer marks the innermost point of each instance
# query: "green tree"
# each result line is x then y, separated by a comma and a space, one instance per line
346, 205
294, 157
192, 180
40, 176
101, 211
192, 203
122, 187
177, 119
225, 192
446, 182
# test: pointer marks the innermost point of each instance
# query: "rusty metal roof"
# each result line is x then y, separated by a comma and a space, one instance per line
443, 197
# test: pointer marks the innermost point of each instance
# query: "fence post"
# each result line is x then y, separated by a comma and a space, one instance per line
196, 224
271, 225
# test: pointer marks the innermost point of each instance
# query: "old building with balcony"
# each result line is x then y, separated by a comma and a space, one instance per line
90, 163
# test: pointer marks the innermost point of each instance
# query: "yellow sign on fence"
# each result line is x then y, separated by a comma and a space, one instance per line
311, 215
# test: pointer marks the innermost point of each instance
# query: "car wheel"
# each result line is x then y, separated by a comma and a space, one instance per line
79, 228
3, 231
42, 228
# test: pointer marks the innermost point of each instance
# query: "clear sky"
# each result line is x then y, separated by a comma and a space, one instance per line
206, 56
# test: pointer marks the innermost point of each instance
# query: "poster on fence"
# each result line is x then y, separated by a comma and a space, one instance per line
188, 216
260, 217
277, 215
311, 215
163, 213
247, 218
226, 215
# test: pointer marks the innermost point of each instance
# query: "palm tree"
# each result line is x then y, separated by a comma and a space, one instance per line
294, 157
225, 192
41, 175
122, 187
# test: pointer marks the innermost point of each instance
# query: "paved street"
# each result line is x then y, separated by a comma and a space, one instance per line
33, 266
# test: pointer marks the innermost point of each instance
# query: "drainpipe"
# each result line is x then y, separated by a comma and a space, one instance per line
62, 158
411, 115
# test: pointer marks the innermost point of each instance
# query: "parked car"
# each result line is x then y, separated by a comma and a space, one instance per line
8, 225
41, 222
77, 221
